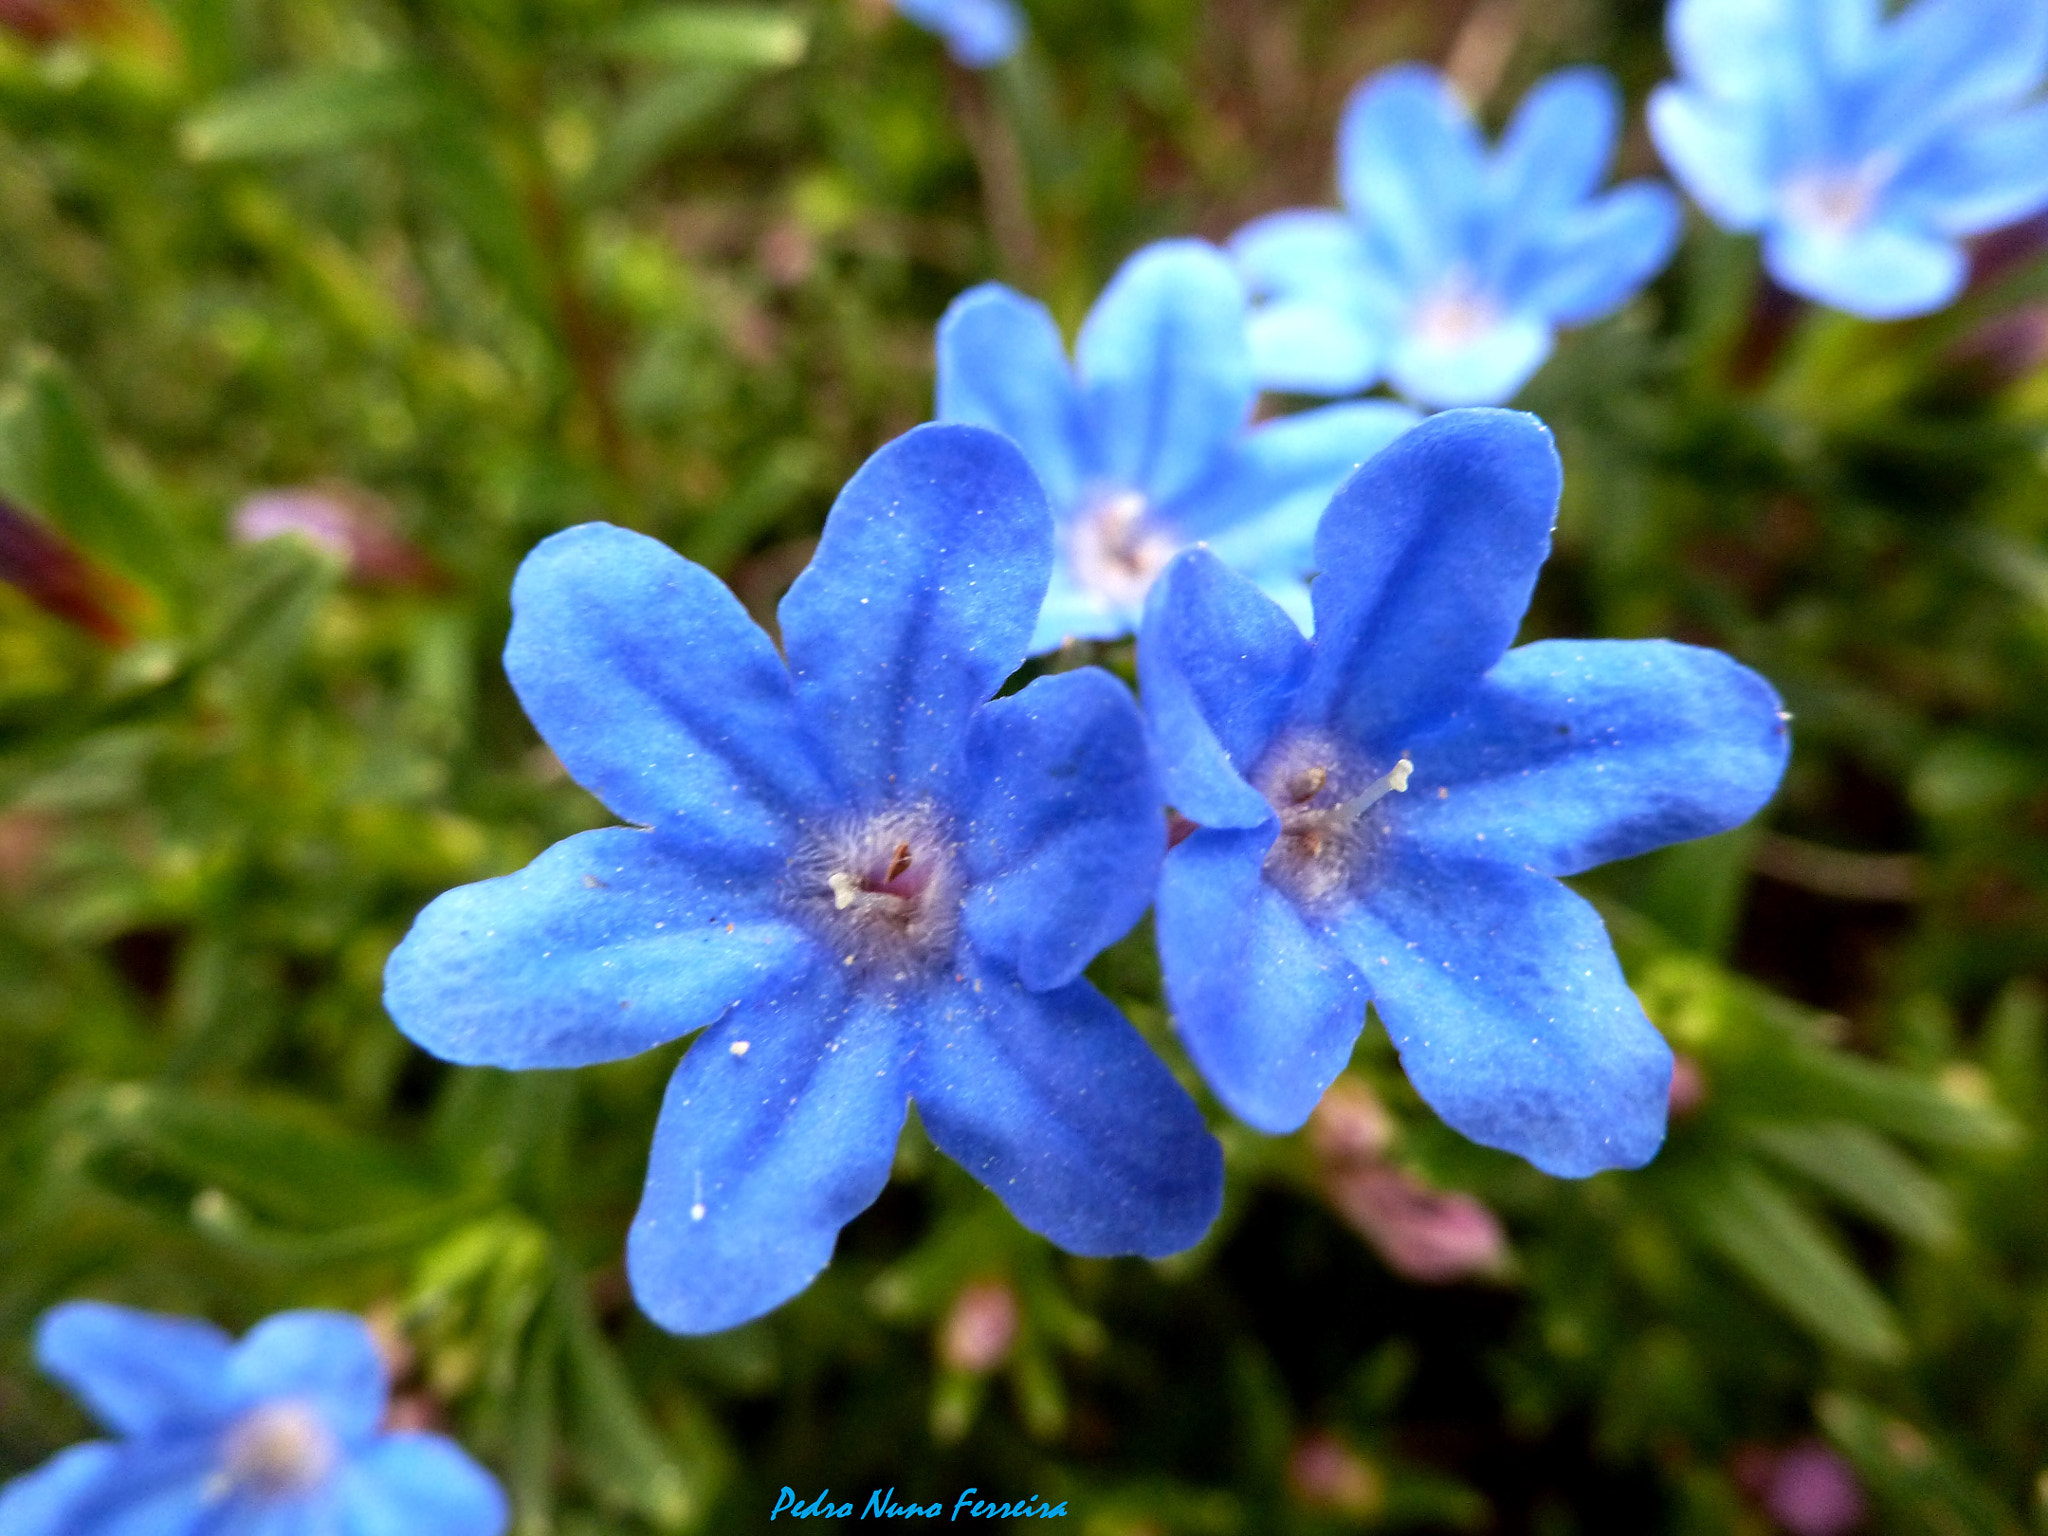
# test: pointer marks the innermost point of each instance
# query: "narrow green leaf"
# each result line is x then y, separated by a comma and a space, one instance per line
1917, 1488
1745, 1217
737, 36
1866, 1172
307, 113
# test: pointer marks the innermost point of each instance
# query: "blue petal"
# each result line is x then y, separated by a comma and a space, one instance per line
1595, 259
778, 1129
1500, 989
1267, 1006
920, 600
606, 945
1002, 365
978, 33
1298, 250
1219, 667
1076, 612
1055, 1103
1980, 177
1165, 367
1484, 369
1313, 347
325, 1359
1745, 50
1720, 153
657, 691
1574, 752
316, 1514
1942, 61
1881, 272
1555, 150
419, 1485
1259, 512
1428, 557
1411, 165
1066, 829
139, 1373
47, 1501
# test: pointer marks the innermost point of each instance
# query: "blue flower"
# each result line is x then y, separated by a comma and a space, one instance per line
864, 881
1862, 147
978, 33
1384, 811
1454, 267
1145, 445
275, 1436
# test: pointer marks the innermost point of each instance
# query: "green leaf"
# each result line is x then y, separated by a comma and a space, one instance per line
736, 36
1747, 1218
307, 113
654, 119
1867, 1173
1917, 1488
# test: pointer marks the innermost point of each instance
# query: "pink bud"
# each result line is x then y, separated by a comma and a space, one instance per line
1688, 1086
1325, 1473
981, 1328
1425, 1235
1812, 1491
349, 524
58, 577
1349, 1125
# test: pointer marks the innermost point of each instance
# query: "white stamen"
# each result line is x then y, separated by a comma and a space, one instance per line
276, 1450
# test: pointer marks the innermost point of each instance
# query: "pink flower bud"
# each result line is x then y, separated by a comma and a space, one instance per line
1425, 1235
349, 524
1349, 1125
1688, 1086
981, 1327
1325, 1473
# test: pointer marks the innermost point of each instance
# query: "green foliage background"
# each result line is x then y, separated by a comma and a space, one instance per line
498, 266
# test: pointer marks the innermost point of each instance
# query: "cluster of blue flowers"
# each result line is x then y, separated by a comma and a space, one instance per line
865, 875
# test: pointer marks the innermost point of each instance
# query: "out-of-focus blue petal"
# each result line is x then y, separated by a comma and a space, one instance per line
1002, 365
1219, 667
607, 944
1260, 513
1065, 830
46, 1502
1484, 369
1075, 612
1055, 1103
318, 1513
1596, 257
139, 1373
1556, 147
1719, 152
1266, 1005
418, 1485
1298, 250
1983, 176
1165, 367
327, 1360
1410, 165
1313, 347
1881, 271
655, 689
778, 1129
1941, 61
1500, 989
1744, 50
978, 33
920, 600
1428, 557
1575, 752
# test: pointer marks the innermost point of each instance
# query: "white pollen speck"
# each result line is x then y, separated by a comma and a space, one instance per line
739, 1047
697, 1211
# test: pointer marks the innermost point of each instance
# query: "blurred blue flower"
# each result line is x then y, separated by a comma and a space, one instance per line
864, 881
1146, 445
1384, 811
1863, 148
978, 33
1455, 266
275, 1436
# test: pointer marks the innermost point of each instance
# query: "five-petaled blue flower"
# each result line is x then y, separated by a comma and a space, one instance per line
1455, 267
1862, 147
978, 33
862, 879
1145, 445
1384, 811
277, 1435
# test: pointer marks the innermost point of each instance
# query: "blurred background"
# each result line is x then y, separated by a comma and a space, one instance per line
315, 315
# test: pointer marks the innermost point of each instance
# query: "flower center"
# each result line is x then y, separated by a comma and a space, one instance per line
277, 1450
1453, 314
1322, 799
882, 891
1835, 202
1114, 552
